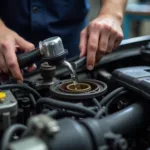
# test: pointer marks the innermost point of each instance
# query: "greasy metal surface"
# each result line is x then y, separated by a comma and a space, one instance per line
59, 90
76, 87
52, 47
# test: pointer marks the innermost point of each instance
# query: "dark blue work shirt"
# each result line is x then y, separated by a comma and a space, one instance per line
36, 20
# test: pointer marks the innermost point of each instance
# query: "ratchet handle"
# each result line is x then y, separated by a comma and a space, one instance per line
27, 59
79, 63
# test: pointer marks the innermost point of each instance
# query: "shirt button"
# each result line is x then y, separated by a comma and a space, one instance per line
35, 9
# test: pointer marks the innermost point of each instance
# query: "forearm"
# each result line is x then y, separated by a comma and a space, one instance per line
114, 8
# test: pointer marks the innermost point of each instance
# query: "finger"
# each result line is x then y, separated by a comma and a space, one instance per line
32, 68
83, 42
3, 66
118, 40
24, 45
117, 43
94, 33
101, 52
11, 60
111, 42
103, 42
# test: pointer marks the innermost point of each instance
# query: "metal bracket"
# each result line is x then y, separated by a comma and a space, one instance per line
43, 125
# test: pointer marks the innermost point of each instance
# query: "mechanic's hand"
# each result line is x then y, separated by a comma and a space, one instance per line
10, 42
100, 37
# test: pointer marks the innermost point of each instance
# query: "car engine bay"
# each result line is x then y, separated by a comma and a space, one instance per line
107, 109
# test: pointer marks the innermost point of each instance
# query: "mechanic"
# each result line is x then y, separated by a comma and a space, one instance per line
24, 23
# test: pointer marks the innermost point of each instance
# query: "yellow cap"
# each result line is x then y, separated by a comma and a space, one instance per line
2, 96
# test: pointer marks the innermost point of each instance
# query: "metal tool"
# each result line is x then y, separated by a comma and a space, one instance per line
50, 50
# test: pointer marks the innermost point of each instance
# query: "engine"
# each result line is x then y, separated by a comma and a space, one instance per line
107, 109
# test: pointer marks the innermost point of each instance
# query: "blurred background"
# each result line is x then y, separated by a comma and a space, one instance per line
136, 19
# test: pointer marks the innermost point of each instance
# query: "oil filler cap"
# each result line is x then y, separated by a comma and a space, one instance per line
53, 50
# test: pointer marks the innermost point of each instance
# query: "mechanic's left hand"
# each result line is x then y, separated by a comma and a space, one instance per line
101, 36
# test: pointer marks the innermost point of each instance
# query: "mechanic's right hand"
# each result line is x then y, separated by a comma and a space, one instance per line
10, 42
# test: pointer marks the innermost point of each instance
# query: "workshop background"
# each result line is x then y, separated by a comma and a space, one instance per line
141, 12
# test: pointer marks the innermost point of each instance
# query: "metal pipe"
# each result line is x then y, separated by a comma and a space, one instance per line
71, 70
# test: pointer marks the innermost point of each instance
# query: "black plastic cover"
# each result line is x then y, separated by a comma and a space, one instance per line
134, 78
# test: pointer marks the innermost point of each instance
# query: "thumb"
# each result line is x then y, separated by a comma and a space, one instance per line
24, 45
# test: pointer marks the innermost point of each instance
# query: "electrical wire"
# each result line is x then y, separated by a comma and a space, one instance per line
104, 109
95, 101
109, 96
115, 98
8, 134
101, 112
58, 113
74, 114
63, 105
20, 86
30, 83
53, 113
32, 100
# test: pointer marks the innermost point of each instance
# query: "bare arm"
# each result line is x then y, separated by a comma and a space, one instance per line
104, 33
114, 8
10, 41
